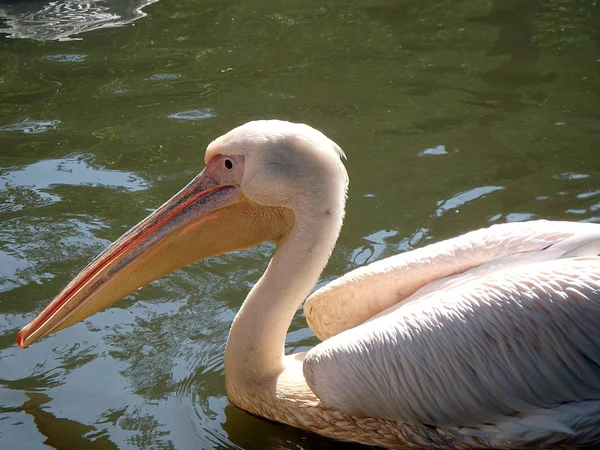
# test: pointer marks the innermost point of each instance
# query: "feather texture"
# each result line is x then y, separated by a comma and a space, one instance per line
366, 291
509, 342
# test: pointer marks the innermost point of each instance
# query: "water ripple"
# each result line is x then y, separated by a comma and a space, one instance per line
571, 176
67, 57
29, 126
28, 185
60, 20
437, 150
194, 114
463, 198
588, 194
372, 251
163, 77
519, 217
31, 249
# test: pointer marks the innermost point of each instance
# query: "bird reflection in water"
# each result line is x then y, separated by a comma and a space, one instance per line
61, 433
248, 431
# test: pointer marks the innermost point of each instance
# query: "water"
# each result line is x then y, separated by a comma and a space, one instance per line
454, 115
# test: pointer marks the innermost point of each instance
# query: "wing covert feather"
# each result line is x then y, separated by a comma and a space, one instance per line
518, 340
366, 291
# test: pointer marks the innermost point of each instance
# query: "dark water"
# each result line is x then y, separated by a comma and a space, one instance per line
454, 115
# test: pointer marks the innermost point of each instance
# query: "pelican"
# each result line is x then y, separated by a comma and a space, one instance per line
490, 339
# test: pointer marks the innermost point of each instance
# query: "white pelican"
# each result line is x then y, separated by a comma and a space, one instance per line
491, 339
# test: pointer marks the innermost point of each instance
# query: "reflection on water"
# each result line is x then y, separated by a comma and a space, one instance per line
76, 58
164, 76
39, 185
64, 434
33, 185
588, 194
72, 170
193, 114
29, 126
377, 244
572, 176
22, 242
61, 20
458, 200
437, 150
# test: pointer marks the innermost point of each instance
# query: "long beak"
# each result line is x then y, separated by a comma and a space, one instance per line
204, 219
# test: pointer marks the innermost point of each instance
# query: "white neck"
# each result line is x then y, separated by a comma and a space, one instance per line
255, 348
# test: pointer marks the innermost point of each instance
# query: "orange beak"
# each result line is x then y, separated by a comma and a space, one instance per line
203, 219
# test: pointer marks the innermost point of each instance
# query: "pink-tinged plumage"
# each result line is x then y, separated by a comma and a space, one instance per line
487, 340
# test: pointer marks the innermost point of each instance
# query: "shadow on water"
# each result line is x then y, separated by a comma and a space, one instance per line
523, 28
516, 31
254, 433
61, 433
514, 21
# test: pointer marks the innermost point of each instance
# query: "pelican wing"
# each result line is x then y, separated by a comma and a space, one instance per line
515, 338
367, 291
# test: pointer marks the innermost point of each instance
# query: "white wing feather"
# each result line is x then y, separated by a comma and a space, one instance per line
364, 292
518, 337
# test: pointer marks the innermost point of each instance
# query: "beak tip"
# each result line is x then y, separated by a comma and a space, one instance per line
21, 336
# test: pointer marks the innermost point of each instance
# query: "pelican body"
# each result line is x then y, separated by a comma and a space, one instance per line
487, 340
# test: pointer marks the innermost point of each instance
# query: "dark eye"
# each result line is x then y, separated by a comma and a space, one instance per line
228, 164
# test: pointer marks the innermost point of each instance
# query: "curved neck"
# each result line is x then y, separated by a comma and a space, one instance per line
255, 348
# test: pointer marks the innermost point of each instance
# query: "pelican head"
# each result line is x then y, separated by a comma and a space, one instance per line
258, 180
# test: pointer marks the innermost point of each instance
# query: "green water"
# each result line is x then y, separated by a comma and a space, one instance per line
454, 115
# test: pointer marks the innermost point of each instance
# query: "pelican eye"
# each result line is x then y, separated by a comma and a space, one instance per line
228, 164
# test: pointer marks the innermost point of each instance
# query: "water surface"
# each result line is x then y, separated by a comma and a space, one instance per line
454, 115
